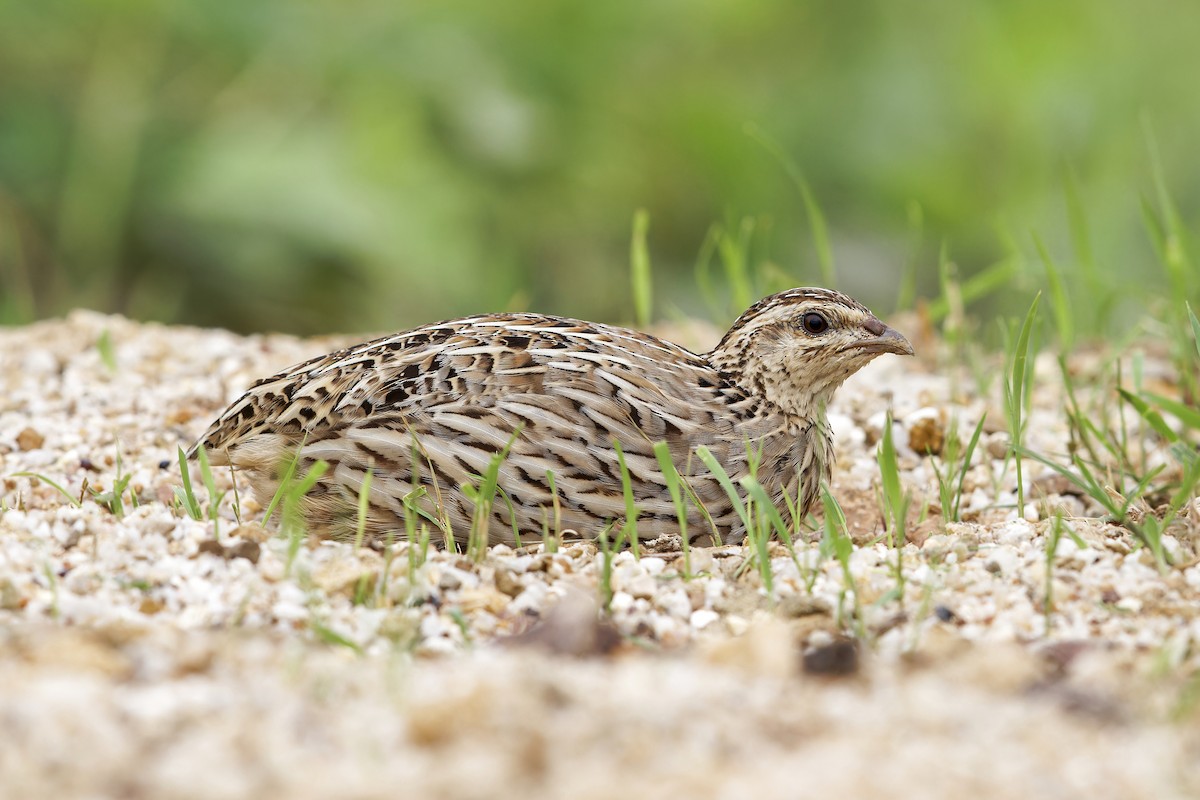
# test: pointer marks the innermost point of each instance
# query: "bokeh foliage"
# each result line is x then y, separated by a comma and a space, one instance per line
374, 164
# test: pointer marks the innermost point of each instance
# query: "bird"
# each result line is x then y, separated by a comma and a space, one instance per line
570, 410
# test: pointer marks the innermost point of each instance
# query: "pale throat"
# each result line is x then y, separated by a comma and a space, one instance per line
798, 388
802, 397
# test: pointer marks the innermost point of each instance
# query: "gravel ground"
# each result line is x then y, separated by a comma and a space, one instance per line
140, 656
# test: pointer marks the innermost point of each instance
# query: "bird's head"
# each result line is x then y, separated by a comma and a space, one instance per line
797, 347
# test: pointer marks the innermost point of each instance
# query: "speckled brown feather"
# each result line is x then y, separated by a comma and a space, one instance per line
445, 397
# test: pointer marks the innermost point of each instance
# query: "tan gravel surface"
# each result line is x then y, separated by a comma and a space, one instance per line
142, 657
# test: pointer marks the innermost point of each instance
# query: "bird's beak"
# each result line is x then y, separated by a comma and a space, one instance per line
885, 340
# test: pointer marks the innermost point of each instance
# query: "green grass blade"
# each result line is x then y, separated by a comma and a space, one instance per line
702, 271
285, 481
889, 470
1185, 454
734, 258
305, 484
330, 636
512, 517
1060, 302
1152, 417
1017, 394
484, 497
756, 492
842, 548
629, 530
1188, 416
57, 487
1195, 326
214, 497
639, 265
816, 218
760, 540
722, 477
662, 452
364, 504
556, 504
190, 503
1083, 479
986, 282
966, 465
108, 354
1173, 252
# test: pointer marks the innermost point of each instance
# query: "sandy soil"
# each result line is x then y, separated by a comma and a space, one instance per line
141, 656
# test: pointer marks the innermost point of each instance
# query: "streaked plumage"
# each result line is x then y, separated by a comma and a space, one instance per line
455, 392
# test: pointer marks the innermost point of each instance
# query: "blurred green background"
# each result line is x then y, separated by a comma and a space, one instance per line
368, 165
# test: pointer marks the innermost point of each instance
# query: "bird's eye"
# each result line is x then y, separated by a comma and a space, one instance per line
814, 323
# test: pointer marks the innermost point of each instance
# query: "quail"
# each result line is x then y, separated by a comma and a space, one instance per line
426, 411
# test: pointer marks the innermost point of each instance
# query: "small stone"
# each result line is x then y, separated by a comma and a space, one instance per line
874, 430
573, 627
1131, 605
765, 649
29, 439
150, 606
837, 659
249, 550
701, 559
80, 651
10, 596
997, 445
801, 605
653, 566
621, 603
212, 547
344, 576
926, 430
642, 587
675, 603
946, 614
1003, 560
483, 599
252, 532
846, 433
508, 582
181, 415
632, 578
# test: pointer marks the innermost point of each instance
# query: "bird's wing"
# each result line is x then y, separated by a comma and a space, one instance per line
543, 370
